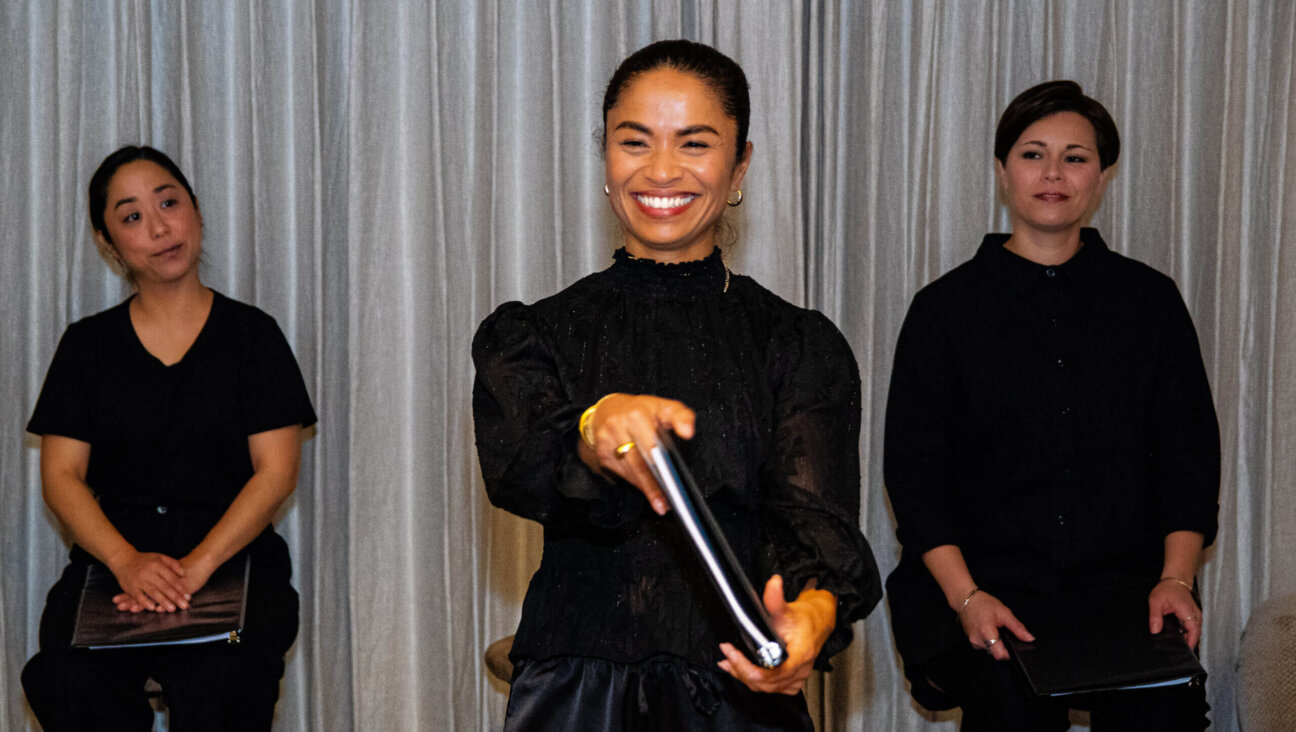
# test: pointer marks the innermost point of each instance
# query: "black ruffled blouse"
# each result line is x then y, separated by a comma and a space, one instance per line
776, 391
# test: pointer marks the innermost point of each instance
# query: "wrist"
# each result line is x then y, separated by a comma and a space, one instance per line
118, 558
586, 424
199, 561
967, 598
1171, 578
822, 606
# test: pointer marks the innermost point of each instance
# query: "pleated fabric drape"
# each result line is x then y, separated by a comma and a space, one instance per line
380, 175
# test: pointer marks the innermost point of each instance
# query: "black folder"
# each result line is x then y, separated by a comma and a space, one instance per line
763, 645
215, 613
1062, 664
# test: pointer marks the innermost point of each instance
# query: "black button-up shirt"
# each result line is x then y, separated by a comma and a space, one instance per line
1054, 423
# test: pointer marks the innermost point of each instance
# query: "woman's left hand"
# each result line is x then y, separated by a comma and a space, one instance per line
804, 625
1171, 598
197, 573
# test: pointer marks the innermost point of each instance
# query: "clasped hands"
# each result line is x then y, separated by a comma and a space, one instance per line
157, 582
984, 615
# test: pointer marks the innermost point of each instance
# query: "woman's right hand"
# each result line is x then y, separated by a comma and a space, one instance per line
621, 419
983, 616
149, 581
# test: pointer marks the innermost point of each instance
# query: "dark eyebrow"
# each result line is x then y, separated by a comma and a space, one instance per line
634, 126
131, 199
697, 129
1072, 146
685, 132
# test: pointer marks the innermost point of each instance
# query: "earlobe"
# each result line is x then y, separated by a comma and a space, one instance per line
109, 252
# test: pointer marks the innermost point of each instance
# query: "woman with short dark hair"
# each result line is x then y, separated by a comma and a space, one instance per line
621, 628
1052, 451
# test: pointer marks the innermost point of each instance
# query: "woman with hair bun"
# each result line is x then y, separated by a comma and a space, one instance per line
621, 628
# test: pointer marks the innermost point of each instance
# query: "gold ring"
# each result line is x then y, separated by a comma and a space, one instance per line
623, 449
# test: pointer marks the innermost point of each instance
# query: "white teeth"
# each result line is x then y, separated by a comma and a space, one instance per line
661, 202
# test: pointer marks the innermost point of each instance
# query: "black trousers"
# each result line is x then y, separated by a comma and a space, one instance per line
994, 698
214, 686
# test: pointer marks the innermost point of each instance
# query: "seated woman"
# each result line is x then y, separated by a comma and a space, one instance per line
171, 433
621, 628
1052, 452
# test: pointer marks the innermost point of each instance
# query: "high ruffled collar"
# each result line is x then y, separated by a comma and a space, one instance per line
696, 278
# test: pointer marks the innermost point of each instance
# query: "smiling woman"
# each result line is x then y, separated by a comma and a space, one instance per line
672, 165
621, 628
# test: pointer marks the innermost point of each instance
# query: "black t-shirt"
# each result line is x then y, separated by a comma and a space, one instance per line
1054, 423
174, 436
776, 392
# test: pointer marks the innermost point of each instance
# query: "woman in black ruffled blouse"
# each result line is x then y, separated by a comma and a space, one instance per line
620, 628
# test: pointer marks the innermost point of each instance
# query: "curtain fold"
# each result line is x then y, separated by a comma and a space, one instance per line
379, 176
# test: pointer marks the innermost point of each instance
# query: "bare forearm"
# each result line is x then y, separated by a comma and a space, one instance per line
249, 514
948, 567
73, 503
1182, 553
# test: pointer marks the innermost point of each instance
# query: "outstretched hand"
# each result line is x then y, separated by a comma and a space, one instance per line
804, 625
623, 421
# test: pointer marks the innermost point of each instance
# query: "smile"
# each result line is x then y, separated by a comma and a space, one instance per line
1052, 197
169, 250
664, 203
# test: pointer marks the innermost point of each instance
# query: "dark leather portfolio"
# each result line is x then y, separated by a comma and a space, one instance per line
1060, 665
215, 613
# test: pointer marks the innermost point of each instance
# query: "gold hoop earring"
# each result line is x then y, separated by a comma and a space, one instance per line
738, 201
606, 192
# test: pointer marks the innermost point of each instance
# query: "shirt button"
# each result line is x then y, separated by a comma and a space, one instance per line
1066, 411
1053, 322
162, 510
1061, 520
1061, 363
1050, 272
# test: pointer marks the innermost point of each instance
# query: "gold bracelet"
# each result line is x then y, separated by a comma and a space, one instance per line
1186, 586
587, 422
968, 599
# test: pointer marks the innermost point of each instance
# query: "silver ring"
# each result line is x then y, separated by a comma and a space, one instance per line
990, 643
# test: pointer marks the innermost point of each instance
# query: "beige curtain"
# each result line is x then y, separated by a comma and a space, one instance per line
379, 175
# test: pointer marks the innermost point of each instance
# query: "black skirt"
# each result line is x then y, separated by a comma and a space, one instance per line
664, 692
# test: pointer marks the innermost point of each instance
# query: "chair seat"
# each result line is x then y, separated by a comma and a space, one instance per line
497, 661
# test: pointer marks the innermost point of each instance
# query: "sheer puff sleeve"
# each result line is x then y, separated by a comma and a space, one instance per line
525, 419
811, 478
